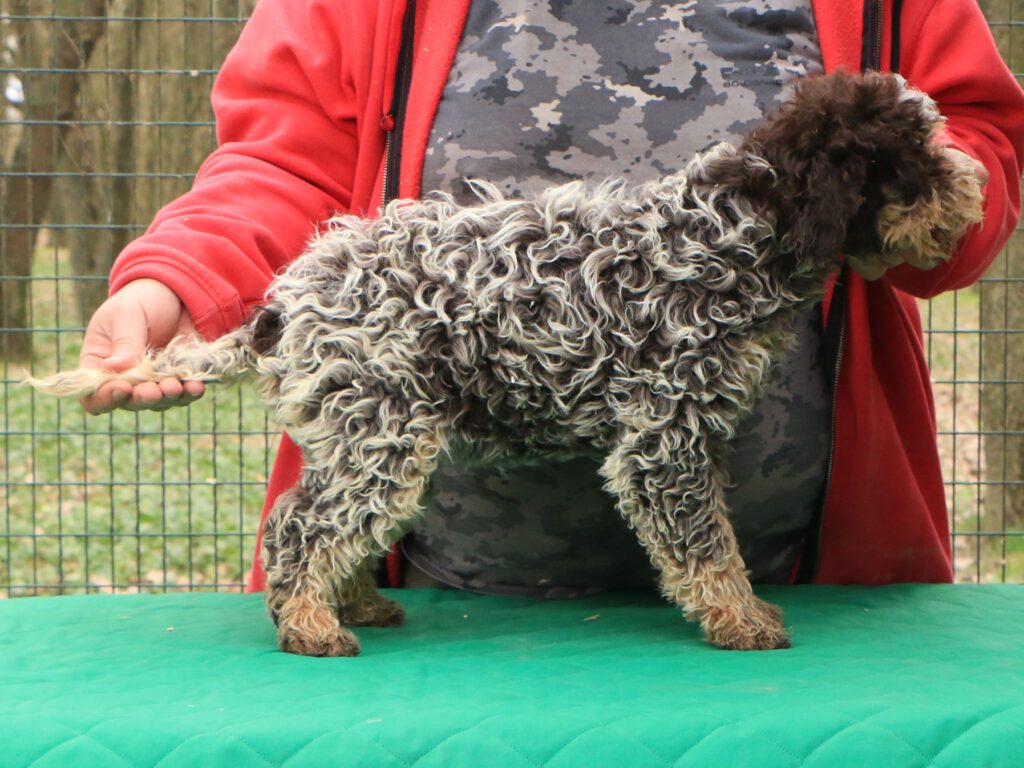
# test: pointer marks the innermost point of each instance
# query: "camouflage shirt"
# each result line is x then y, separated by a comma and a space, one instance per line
547, 91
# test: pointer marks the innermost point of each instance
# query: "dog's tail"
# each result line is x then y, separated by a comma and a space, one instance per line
185, 358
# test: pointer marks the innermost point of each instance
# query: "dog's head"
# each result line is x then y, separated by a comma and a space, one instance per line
856, 169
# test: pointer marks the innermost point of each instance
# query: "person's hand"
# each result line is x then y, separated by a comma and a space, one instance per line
144, 313
873, 268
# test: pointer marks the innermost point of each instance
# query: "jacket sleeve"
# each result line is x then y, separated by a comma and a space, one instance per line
949, 53
286, 132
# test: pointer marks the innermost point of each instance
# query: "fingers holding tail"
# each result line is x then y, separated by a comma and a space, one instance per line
186, 358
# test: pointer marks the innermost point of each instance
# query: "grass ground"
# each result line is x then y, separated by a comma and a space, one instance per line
167, 501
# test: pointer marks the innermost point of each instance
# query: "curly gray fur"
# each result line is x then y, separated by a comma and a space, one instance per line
638, 322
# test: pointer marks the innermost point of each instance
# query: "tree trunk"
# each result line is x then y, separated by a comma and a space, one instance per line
51, 99
1002, 347
101, 198
161, 125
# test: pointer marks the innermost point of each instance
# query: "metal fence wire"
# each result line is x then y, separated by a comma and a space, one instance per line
105, 118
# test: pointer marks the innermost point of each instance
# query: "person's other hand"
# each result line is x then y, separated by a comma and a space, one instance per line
875, 267
144, 313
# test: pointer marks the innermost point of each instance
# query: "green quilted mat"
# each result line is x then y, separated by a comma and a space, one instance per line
901, 676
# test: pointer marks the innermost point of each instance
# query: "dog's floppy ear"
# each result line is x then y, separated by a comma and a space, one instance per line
822, 200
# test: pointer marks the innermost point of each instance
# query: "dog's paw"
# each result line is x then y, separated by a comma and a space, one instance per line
378, 611
308, 627
336, 642
752, 626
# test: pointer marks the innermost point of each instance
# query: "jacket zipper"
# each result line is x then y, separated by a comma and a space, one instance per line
871, 59
390, 568
894, 36
835, 329
393, 121
835, 389
871, 48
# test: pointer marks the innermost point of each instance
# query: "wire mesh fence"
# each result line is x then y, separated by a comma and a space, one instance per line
975, 345
105, 118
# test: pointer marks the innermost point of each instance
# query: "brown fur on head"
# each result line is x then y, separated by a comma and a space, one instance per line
853, 168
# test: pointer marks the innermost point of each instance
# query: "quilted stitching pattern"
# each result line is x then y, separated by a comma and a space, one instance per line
902, 676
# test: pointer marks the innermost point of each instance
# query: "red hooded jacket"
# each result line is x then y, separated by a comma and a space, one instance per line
304, 105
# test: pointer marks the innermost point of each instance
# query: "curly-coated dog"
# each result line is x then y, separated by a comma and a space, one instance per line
637, 322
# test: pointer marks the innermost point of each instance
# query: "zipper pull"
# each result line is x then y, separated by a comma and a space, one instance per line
387, 124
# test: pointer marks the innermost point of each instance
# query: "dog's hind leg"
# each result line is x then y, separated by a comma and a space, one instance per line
361, 483
361, 605
301, 591
671, 494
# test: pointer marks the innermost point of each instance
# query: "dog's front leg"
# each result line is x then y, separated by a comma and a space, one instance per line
671, 493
